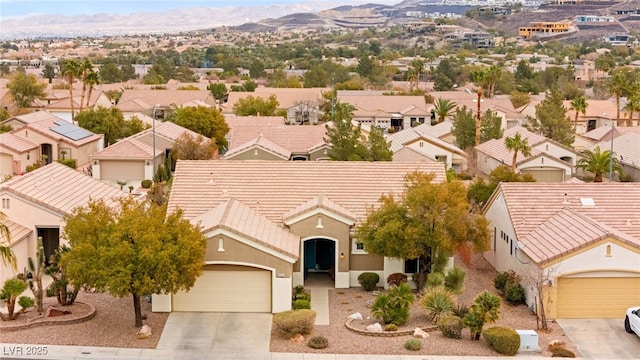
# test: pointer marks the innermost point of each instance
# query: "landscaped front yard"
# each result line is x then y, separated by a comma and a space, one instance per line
344, 302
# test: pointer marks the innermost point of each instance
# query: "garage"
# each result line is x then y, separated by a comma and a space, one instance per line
122, 170
227, 288
545, 175
596, 297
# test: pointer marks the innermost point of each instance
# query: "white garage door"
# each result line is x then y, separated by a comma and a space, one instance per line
597, 297
546, 175
122, 170
227, 291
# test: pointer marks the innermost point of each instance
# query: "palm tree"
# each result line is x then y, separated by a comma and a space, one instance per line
517, 144
633, 102
70, 68
444, 108
616, 85
598, 163
579, 104
93, 79
7, 255
492, 76
481, 77
85, 68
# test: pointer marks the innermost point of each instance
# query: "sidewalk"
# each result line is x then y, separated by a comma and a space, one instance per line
22, 351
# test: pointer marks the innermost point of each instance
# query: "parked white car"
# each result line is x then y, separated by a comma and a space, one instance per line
632, 320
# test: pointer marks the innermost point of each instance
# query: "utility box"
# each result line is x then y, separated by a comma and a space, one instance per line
528, 340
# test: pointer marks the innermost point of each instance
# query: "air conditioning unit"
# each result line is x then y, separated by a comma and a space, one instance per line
528, 340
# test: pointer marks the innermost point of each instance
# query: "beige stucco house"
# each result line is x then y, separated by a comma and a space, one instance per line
42, 136
549, 161
131, 160
271, 225
36, 203
428, 146
582, 239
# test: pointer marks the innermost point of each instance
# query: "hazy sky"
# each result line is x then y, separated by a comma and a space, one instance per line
90, 7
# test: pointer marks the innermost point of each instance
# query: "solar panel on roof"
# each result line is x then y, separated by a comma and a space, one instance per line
71, 131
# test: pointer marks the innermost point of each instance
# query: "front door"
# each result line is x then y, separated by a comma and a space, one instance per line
50, 241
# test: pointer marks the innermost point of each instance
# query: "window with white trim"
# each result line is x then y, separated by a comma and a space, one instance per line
357, 247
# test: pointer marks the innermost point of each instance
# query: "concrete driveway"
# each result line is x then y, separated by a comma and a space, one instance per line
601, 338
222, 335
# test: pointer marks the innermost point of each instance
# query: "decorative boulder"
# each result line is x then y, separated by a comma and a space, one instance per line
53, 312
355, 316
298, 339
144, 332
376, 328
419, 333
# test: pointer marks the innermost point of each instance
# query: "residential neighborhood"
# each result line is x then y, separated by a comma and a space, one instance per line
360, 175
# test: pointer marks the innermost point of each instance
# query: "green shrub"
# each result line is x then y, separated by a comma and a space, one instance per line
69, 162
368, 280
563, 353
301, 304
514, 293
504, 340
288, 324
500, 280
298, 289
146, 184
396, 279
393, 305
50, 291
437, 301
413, 344
485, 309
461, 310
302, 296
318, 342
454, 280
451, 326
435, 279
391, 327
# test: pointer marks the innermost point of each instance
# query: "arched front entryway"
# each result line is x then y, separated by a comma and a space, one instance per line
319, 260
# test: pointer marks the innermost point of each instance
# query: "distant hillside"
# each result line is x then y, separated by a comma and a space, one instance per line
509, 24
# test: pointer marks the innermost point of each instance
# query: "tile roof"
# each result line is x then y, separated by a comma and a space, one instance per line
496, 149
626, 147
599, 133
564, 232
236, 217
137, 100
532, 137
403, 137
233, 120
129, 148
35, 117
294, 138
263, 143
60, 188
16, 143
169, 130
17, 232
530, 205
438, 130
319, 202
274, 188
388, 104
45, 127
287, 97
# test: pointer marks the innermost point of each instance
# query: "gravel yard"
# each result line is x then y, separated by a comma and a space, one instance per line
112, 326
343, 302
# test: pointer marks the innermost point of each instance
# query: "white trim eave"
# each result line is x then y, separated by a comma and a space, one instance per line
219, 231
319, 211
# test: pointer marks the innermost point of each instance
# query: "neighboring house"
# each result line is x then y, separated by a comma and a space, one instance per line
131, 160
36, 203
389, 112
296, 102
626, 148
275, 141
155, 103
16, 154
270, 224
428, 146
500, 104
54, 138
581, 239
599, 113
549, 161
440, 130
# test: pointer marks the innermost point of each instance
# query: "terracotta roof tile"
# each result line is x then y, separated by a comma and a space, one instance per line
60, 188
263, 143
129, 148
17, 232
274, 188
626, 147
236, 217
16, 143
319, 202
294, 138
616, 205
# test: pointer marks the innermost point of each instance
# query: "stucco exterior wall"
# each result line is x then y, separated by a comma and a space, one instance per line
256, 154
236, 251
